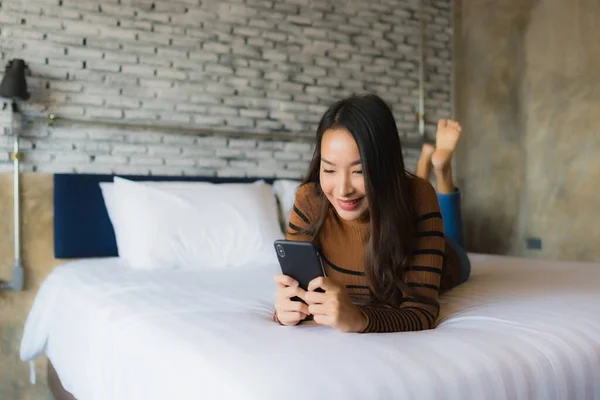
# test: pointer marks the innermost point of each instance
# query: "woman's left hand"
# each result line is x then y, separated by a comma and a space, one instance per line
334, 307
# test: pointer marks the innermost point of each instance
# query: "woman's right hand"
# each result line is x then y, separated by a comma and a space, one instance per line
289, 312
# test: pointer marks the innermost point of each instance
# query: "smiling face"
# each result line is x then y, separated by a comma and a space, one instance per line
341, 174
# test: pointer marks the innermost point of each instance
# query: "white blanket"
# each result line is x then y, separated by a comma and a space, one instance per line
519, 329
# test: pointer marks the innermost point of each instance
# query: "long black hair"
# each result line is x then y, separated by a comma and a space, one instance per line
393, 233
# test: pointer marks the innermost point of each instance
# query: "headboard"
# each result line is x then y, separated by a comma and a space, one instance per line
82, 228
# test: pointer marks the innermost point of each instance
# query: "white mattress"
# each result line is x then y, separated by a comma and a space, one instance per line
519, 329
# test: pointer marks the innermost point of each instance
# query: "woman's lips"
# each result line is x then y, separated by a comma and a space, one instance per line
349, 205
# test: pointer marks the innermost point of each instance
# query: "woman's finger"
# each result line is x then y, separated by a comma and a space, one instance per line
285, 280
295, 306
315, 297
317, 309
293, 317
292, 291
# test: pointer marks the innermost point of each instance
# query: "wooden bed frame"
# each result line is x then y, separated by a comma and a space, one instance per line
56, 387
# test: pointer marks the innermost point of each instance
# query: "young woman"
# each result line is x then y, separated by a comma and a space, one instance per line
378, 228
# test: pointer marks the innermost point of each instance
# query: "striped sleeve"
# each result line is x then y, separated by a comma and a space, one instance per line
419, 308
302, 214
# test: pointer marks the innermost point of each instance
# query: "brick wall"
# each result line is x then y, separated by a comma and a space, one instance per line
242, 66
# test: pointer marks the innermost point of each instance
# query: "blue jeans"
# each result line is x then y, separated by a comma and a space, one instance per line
451, 216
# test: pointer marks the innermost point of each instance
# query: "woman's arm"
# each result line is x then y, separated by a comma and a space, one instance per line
420, 308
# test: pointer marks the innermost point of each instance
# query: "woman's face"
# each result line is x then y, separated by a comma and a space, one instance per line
341, 174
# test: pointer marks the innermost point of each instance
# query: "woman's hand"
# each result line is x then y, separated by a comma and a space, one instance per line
289, 312
334, 307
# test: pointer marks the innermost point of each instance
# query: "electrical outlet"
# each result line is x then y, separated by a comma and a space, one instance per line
534, 243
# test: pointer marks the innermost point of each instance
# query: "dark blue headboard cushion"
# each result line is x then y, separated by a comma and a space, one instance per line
82, 228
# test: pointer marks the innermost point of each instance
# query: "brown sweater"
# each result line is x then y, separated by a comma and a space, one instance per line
342, 247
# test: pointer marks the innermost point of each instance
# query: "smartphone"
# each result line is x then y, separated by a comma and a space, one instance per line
299, 260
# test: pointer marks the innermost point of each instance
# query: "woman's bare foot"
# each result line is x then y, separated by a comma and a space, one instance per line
446, 138
424, 163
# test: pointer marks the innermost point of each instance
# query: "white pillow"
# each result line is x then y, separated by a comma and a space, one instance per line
112, 207
285, 191
194, 225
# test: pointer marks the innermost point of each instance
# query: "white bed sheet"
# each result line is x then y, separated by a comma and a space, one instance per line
519, 329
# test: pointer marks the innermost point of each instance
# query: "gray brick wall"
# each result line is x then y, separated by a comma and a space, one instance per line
243, 66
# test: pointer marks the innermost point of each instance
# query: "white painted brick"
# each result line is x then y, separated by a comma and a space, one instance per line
140, 115
96, 148
269, 125
66, 86
144, 137
242, 143
139, 70
72, 159
53, 168
273, 55
43, 22
145, 160
212, 141
85, 99
286, 155
164, 150
131, 170
258, 154
208, 120
93, 169
290, 174
126, 149
168, 73
213, 47
231, 172
197, 153
53, 145
191, 108
208, 162
176, 118
299, 147
219, 89
254, 113
237, 122
155, 83
64, 133
122, 102
242, 164
228, 152
152, 60
102, 65
104, 113
169, 30
260, 172
182, 162
110, 160
299, 166
68, 111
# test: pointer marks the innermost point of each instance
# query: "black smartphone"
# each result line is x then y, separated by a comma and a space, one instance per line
299, 260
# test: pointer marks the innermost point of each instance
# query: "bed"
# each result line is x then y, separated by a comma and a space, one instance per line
518, 329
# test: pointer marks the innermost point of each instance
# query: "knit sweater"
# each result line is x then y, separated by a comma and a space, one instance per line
342, 246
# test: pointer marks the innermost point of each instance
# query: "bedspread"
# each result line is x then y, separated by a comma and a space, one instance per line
519, 329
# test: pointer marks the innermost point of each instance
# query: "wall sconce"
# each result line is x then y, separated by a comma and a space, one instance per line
13, 88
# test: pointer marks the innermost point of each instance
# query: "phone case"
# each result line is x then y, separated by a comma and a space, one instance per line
299, 260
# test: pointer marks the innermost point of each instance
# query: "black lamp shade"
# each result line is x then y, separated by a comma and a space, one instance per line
14, 85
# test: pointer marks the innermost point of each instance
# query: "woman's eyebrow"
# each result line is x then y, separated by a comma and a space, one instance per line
351, 164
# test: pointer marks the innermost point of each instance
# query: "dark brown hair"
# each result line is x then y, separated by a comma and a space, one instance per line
393, 232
